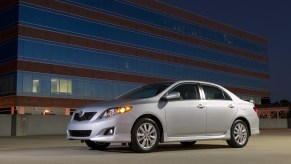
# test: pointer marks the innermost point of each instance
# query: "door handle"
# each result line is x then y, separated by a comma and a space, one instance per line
231, 106
200, 106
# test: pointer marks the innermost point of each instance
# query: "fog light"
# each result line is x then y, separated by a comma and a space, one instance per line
109, 131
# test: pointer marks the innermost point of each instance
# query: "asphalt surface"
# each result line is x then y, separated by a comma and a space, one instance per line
270, 147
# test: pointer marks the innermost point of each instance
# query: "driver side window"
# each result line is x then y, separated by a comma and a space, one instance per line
188, 91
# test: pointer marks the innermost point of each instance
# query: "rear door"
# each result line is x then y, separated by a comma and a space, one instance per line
220, 110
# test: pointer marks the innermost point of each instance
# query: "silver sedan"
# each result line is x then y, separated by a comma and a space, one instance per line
183, 111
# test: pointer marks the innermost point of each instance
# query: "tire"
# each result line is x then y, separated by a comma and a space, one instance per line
191, 143
239, 135
145, 136
97, 145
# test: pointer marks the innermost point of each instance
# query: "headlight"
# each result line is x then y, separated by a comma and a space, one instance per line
115, 111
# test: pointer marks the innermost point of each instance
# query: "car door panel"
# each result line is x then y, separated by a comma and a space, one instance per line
187, 115
220, 109
185, 118
220, 113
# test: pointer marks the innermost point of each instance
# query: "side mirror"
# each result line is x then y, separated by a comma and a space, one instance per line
172, 95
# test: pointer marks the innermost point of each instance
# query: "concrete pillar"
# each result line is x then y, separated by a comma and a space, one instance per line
19, 125
21, 110
67, 111
12, 110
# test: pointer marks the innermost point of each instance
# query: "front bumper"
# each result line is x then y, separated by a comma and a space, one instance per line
122, 125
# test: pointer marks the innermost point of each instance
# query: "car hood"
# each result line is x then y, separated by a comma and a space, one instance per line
102, 106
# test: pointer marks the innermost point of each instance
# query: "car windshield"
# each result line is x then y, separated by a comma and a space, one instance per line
146, 91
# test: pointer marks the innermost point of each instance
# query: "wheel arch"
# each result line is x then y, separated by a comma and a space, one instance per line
157, 121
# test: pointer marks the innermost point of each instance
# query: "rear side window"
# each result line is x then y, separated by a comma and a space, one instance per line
214, 93
188, 91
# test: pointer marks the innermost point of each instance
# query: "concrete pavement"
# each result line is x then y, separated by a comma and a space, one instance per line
271, 146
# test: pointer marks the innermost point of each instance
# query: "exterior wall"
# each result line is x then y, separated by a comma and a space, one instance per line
77, 51
5, 125
273, 123
41, 125
47, 125
7, 84
273, 117
176, 12
8, 47
8, 34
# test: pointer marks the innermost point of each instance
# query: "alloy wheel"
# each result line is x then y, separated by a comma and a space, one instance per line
240, 133
146, 136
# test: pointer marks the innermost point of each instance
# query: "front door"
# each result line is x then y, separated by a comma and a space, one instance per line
186, 116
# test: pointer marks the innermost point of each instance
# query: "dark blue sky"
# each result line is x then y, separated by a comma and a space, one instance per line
268, 18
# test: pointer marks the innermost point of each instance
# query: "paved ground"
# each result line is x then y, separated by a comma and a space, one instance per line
271, 146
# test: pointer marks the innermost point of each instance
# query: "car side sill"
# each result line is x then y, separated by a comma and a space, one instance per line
225, 136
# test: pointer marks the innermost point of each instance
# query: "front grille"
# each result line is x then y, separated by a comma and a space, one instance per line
80, 133
86, 116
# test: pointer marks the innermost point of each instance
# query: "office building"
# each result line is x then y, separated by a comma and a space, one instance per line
59, 55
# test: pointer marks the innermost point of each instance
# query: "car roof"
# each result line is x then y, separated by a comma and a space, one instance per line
195, 81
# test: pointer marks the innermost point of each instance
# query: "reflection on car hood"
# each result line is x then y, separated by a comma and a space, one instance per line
101, 106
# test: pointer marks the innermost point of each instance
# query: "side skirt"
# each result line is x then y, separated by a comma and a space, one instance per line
225, 136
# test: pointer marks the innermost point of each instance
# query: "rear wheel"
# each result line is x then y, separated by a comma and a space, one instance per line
188, 143
97, 145
145, 136
239, 134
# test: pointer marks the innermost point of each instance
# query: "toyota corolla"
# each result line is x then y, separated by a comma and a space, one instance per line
183, 111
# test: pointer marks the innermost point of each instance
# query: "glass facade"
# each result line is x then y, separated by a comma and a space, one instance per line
130, 11
8, 17
7, 84
25, 47
69, 24
48, 85
8, 50
80, 57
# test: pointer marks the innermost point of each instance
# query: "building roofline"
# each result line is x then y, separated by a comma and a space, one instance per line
198, 19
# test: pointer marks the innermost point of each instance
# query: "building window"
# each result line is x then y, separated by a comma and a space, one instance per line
87, 89
27, 84
55, 85
35, 86
66, 86
61, 86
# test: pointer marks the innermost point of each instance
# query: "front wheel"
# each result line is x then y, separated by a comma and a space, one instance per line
239, 134
97, 145
145, 136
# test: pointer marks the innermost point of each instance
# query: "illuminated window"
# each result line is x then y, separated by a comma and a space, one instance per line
61, 86
35, 86
65, 86
31, 84
55, 85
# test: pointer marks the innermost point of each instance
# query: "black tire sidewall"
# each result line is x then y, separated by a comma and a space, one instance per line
96, 146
